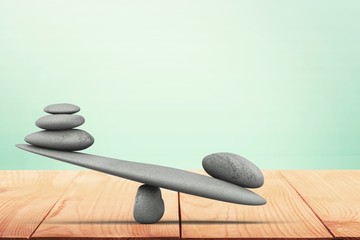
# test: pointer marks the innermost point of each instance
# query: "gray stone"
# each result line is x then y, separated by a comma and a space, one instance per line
65, 140
62, 108
161, 176
233, 168
149, 205
60, 121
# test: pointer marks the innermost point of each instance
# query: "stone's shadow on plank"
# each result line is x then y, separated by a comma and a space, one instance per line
188, 222
196, 222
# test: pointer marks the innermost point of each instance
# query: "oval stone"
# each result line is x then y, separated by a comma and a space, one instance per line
149, 205
233, 168
62, 108
60, 121
66, 140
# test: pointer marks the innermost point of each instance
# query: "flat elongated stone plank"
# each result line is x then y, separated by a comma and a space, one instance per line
155, 175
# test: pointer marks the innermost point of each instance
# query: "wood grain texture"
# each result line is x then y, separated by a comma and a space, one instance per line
26, 197
100, 206
334, 195
285, 216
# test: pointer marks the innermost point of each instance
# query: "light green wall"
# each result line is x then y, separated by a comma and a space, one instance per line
168, 82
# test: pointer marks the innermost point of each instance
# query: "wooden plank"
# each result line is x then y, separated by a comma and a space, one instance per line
284, 216
26, 197
100, 206
334, 195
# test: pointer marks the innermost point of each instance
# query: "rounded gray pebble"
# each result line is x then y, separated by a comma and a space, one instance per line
62, 108
66, 140
149, 205
60, 121
233, 168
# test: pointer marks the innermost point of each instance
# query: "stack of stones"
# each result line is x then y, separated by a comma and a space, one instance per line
59, 132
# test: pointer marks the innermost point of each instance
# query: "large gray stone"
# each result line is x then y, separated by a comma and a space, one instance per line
161, 176
149, 205
62, 108
233, 168
60, 121
65, 140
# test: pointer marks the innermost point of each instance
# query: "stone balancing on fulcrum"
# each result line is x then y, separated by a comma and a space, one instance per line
230, 174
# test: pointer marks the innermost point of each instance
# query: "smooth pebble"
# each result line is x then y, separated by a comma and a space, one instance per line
233, 168
62, 108
66, 140
149, 205
60, 121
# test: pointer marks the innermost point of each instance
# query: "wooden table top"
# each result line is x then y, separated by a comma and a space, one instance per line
307, 204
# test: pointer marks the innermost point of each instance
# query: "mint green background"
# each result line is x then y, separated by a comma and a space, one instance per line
168, 82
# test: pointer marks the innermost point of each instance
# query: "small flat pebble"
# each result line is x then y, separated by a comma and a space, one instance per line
233, 168
66, 140
149, 205
62, 108
60, 121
